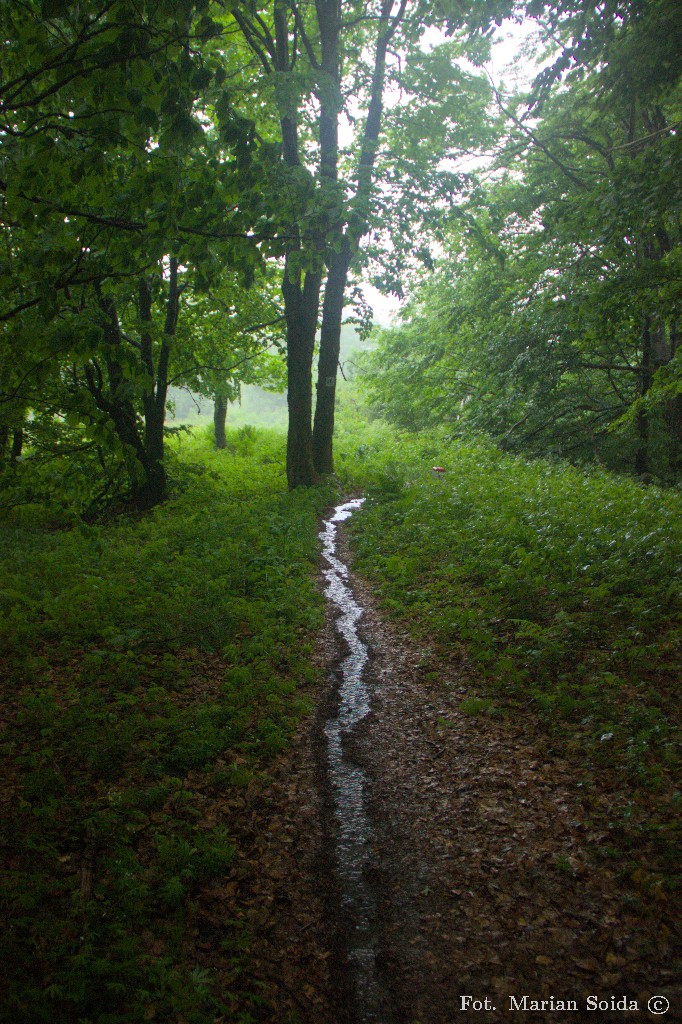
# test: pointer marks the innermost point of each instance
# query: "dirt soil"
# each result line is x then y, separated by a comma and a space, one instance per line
486, 866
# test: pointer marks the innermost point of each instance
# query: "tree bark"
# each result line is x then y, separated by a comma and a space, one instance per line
17, 443
155, 484
329, 22
4, 438
153, 488
113, 399
330, 345
148, 487
674, 415
301, 302
339, 263
301, 293
642, 454
219, 418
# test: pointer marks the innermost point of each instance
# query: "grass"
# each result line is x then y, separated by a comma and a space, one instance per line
149, 666
562, 586
153, 667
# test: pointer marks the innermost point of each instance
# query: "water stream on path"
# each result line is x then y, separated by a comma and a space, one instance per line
354, 832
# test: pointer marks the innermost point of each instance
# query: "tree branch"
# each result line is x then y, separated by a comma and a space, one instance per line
227, 370
305, 39
571, 175
252, 39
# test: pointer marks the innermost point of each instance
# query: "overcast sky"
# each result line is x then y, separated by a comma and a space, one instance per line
510, 42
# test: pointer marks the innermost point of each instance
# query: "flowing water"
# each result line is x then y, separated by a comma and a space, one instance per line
348, 782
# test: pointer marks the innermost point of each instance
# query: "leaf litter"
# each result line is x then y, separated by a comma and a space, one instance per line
488, 856
488, 861
491, 861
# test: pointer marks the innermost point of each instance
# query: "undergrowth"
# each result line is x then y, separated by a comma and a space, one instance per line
148, 665
561, 586
153, 667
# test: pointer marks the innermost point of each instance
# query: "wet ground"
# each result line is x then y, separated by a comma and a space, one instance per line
352, 829
408, 863
466, 858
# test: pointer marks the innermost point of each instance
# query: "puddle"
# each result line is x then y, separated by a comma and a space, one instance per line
348, 782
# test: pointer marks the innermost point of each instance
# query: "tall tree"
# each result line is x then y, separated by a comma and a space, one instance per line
323, 67
110, 197
557, 306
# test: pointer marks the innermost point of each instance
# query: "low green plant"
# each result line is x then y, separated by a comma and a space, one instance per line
475, 705
146, 661
563, 585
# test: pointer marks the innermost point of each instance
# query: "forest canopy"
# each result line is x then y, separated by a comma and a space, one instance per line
551, 321
191, 194
197, 197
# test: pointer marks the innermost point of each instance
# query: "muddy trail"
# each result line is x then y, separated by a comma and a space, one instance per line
410, 863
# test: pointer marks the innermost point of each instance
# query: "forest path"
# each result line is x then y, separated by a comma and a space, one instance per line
481, 867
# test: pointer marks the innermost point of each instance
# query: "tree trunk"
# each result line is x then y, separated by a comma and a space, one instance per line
219, 418
4, 438
339, 263
113, 399
17, 443
300, 310
153, 489
642, 454
329, 22
301, 302
330, 344
674, 416
16, 446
